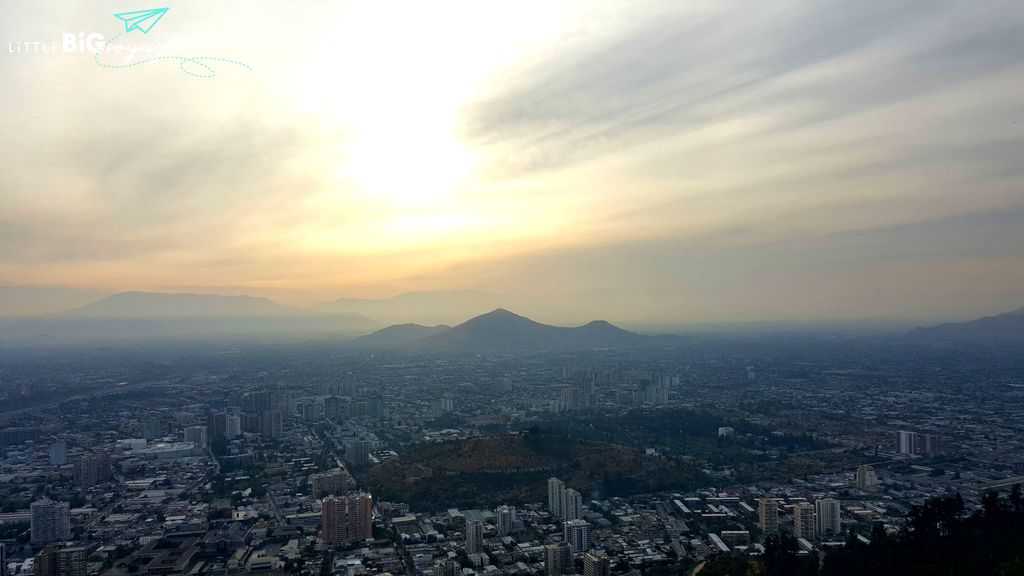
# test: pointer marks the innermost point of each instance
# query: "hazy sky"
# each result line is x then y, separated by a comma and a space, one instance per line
639, 161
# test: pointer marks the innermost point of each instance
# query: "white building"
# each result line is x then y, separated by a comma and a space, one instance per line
827, 512
505, 517
803, 521
577, 534
196, 435
474, 537
572, 505
556, 496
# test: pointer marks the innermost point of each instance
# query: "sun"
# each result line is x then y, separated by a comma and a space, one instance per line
403, 163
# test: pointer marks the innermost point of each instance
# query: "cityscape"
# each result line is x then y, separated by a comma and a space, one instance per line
317, 458
527, 288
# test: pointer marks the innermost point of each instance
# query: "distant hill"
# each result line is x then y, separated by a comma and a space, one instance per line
501, 331
397, 336
168, 305
426, 308
134, 317
1001, 329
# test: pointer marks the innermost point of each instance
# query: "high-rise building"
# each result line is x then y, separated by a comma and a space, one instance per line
505, 517
50, 521
310, 411
54, 561
346, 519
556, 496
251, 423
334, 520
596, 564
92, 469
474, 537
768, 515
362, 518
867, 479
357, 453
572, 505
334, 408
197, 435
444, 405
557, 559
918, 444
827, 512
447, 567
803, 521
577, 534
332, 482
216, 427
232, 426
58, 453
271, 423
260, 401
3, 559
152, 428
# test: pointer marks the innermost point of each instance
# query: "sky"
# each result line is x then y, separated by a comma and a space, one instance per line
645, 162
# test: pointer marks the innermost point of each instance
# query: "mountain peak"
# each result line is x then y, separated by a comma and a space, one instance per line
137, 304
1002, 329
500, 313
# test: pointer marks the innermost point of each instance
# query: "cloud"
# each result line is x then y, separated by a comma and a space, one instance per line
657, 159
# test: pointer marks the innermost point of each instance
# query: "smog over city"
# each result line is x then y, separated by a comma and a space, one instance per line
631, 288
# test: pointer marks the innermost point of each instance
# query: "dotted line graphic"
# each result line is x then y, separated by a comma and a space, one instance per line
184, 62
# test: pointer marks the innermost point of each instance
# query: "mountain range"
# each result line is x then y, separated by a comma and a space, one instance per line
419, 321
428, 308
500, 331
161, 305
1001, 329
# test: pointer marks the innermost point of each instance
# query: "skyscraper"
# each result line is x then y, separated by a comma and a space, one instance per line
334, 520
92, 469
50, 521
474, 537
557, 559
334, 482
232, 426
556, 496
572, 503
596, 564
768, 515
334, 408
271, 423
867, 479
152, 428
577, 534
357, 453
58, 453
216, 426
54, 561
917, 444
803, 521
361, 516
827, 511
447, 567
505, 517
197, 435
346, 519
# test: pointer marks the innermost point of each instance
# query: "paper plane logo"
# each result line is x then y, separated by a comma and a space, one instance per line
143, 20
